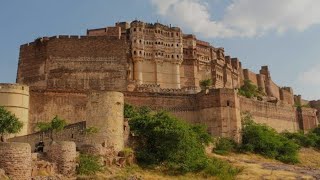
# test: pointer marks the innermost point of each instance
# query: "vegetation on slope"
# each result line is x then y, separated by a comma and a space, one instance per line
88, 164
174, 145
264, 140
310, 139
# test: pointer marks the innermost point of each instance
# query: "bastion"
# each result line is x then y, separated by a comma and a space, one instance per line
15, 98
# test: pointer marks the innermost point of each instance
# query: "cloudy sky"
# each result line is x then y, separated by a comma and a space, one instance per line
284, 34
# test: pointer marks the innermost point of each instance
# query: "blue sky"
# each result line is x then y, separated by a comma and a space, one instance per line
282, 34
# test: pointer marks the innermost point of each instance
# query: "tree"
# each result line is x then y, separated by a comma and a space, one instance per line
57, 124
206, 83
9, 123
164, 139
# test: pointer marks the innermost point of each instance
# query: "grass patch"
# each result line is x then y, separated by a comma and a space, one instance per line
89, 164
224, 146
220, 169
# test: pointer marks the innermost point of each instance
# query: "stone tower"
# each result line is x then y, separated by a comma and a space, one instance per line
15, 98
105, 112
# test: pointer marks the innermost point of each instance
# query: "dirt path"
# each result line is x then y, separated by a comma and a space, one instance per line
256, 167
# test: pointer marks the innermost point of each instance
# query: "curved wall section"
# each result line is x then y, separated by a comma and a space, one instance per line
105, 111
15, 98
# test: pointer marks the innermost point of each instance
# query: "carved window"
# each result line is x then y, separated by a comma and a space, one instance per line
172, 56
134, 52
134, 29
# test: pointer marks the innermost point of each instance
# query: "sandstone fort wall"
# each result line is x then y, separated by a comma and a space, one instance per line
73, 132
279, 117
15, 98
45, 105
72, 62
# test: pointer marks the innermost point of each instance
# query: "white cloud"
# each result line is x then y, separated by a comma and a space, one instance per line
311, 76
242, 17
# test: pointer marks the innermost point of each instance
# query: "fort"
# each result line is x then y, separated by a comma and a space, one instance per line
152, 65
87, 79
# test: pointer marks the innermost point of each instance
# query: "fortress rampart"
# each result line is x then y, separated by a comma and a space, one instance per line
153, 65
74, 63
15, 98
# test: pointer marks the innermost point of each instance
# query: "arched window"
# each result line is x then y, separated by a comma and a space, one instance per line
134, 52
134, 29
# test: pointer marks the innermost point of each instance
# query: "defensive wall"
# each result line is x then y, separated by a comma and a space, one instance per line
100, 109
15, 98
72, 132
74, 63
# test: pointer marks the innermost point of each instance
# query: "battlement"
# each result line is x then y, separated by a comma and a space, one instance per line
79, 37
157, 25
9, 86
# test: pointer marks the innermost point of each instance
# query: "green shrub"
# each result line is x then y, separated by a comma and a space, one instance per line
221, 169
304, 140
225, 146
206, 83
175, 145
201, 131
164, 139
88, 164
129, 111
266, 141
143, 110
250, 90
316, 131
